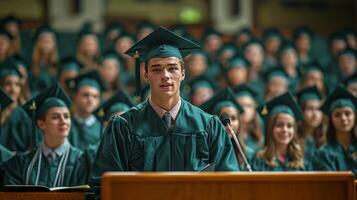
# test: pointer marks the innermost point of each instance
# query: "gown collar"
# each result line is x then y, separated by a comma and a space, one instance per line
160, 111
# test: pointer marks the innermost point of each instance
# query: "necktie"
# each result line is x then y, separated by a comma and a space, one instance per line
167, 119
51, 156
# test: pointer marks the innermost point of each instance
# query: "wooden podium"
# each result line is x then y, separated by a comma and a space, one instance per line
229, 185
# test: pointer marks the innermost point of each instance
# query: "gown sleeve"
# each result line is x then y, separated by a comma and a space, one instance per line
221, 148
113, 151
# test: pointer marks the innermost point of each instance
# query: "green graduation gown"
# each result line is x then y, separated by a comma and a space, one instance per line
16, 132
259, 164
309, 148
138, 140
5, 154
84, 137
333, 157
76, 171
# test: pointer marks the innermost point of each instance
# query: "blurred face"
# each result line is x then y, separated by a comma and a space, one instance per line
242, 39
315, 78
352, 87
233, 116
272, 45
56, 123
164, 76
289, 58
343, 119
109, 70
89, 45
249, 106
213, 43
65, 75
123, 44
201, 95
303, 43
312, 113
46, 42
352, 41
87, 99
12, 28
283, 129
337, 46
4, 45
12, 86
196, 65
254, 54
347, 64
237, 76
277, 86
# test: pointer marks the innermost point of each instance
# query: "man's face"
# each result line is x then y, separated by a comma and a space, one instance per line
164, 76
87, 99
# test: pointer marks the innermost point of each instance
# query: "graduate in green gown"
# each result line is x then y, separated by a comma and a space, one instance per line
289, 62
165, 132
277, 82
86, 128
282, 151
16, 125
310, 131
199, 90
251, 126
5, 101
236, 71
53, 162
340, 151
224, 102
351, 84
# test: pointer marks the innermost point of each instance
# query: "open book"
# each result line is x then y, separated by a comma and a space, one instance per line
41, 188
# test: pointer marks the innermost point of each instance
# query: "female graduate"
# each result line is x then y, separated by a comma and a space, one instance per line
224, 102
251, 127
15, 124
53, 162
310, 130
340, 151
45, 59
282, 151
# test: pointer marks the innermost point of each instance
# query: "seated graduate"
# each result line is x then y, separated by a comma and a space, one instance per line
351, 84
165, 132
310, 129
282, 151
224, 102
54, 162
116, 105
86, 129
16, 125
340, 151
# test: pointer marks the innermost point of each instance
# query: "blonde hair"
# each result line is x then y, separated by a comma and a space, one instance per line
295, 151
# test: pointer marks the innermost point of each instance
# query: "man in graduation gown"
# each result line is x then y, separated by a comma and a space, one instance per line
86, 129
53, 162
165, 132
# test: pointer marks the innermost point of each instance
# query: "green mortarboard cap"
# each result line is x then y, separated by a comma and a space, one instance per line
180, 29
10, 19
53, 96
275, 72
221, 99
210, 32
237, 62
348, 51
339, 98
287, 46
145, 25
70, 64
338, 35
311, 67
115, 26
282, 104
303, 30
201, 53
86, 30
9, 67
160, 44
244, 31
120, 102
124, 34
310, 93
111, 55
271, 33
245, 90
91, 79
5, 100
199, 82
5, 33
351, 79
44, 29
228, 47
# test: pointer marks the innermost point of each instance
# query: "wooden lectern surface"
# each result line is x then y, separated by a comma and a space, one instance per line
42, 196
229, 185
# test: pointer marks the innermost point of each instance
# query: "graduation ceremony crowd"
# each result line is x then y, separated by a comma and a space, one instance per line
291, 107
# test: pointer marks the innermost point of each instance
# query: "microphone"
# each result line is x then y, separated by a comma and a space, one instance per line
226, 122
